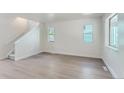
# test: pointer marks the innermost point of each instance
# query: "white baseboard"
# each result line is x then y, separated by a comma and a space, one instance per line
2, 58
72, 54
26, 56
111, 70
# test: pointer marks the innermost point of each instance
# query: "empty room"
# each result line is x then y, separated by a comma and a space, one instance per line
61, 45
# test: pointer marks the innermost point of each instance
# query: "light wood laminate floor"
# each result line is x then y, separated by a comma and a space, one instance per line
53, 66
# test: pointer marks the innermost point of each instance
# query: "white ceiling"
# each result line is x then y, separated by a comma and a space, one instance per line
48, 17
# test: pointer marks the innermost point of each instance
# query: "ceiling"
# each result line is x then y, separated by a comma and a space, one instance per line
48, 17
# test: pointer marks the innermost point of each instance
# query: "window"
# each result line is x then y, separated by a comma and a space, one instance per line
51, 34
113, 31
88, 33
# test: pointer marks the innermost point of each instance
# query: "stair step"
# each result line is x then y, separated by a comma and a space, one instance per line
13, 52
11, 56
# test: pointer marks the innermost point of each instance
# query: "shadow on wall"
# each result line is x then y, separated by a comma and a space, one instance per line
11, 28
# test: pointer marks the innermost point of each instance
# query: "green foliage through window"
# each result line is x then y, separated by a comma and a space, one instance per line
51, 34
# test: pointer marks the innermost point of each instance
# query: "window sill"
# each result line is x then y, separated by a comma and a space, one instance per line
115, 49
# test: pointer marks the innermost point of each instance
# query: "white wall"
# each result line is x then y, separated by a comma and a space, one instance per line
114, 59
29, 44
69, 38
10, 28
43, 37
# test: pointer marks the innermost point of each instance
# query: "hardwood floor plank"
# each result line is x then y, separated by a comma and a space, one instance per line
53, 66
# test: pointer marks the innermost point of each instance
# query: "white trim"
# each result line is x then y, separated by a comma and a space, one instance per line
111, 15
115, 49
73, 54
111, 70
26, 56
3, 58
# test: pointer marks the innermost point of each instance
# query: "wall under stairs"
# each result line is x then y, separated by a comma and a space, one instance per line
13, 29
29, 44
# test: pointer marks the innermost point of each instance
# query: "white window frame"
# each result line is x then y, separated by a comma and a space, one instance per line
110, 44
52, 29
84, 33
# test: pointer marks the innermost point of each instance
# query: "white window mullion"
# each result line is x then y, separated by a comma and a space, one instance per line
87, 34
113, 31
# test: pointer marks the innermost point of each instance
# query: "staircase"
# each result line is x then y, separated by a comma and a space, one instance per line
23, 42
11, 55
